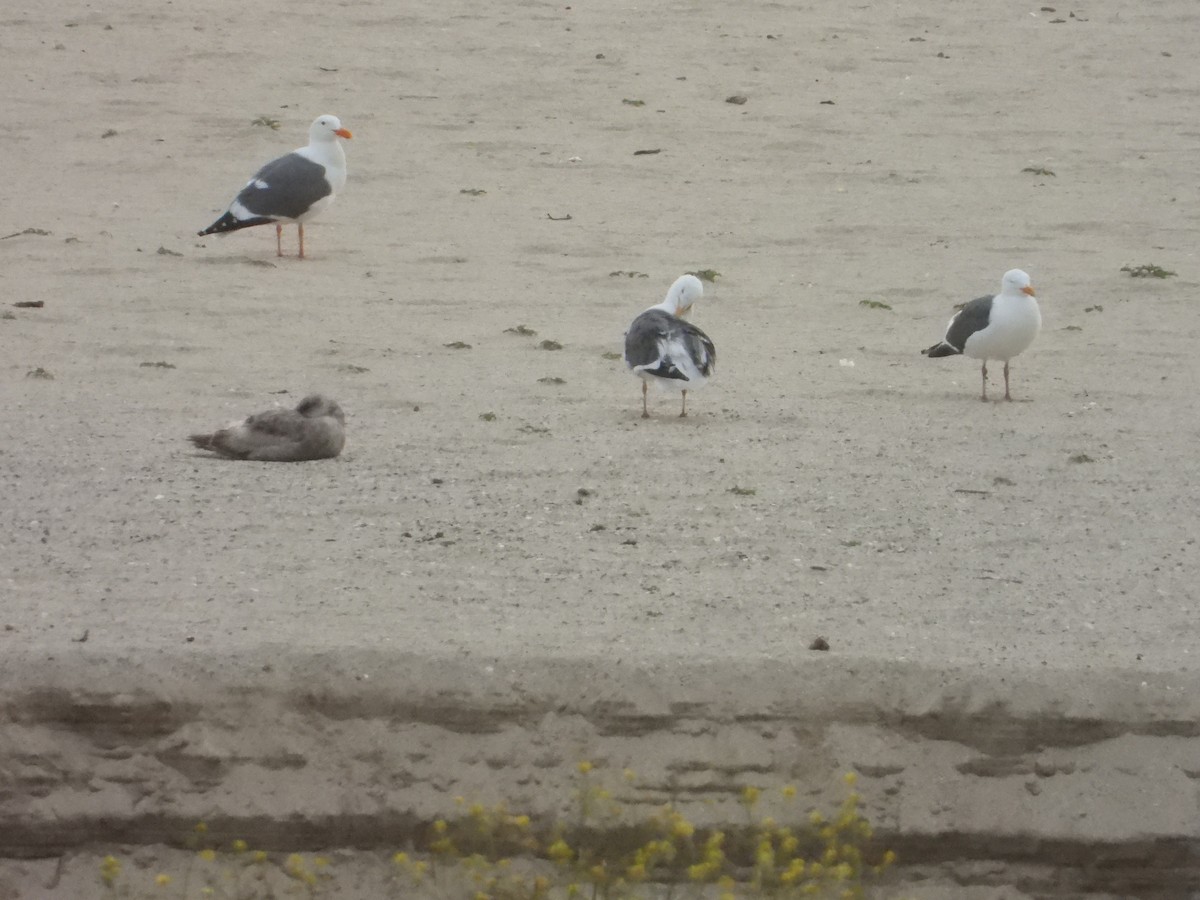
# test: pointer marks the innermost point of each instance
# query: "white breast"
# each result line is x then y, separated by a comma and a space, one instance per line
1013, 324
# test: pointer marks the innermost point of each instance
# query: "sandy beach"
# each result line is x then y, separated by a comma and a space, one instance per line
503, 533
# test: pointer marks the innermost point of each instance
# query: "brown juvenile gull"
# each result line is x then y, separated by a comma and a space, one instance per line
292, 188
661, 346
315, 429
998, 327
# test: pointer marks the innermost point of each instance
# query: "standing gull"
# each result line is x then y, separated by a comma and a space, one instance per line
998, 327
313, 430
661, 346
292, 188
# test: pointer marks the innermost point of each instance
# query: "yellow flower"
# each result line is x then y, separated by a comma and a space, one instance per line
295, 861
208, 854
768, 823
201, 828
629, 775
439, 827
521, 821
850, 778
400, 859
259, 856
559, 850
750, 795
636, 872
682, 828
476, 811
597, 873
110, 870
815, 817
162, 880
584, 767
240, 846
889, 857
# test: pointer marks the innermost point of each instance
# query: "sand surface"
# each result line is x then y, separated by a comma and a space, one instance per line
830, 481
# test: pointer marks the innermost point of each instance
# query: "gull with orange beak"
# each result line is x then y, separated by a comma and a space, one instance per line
661, 346
998, 327
292, 188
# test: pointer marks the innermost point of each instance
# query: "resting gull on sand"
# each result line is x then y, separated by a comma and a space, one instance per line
661, 346
998, 327
292, 188
313, 430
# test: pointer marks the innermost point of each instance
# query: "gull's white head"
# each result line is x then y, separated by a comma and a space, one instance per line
326, 128
1016, 282
686, 290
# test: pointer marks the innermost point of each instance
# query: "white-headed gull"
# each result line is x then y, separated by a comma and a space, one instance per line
661, 346
998, 327
315, 429
292, 188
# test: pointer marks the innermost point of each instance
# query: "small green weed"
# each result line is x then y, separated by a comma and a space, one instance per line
1147, 271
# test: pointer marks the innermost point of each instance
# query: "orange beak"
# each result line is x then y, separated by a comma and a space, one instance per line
344, 132
1028, 289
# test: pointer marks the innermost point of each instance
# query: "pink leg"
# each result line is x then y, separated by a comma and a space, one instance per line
645, 412
301, 226
278, 239
984, 397
683, 412
1007, 395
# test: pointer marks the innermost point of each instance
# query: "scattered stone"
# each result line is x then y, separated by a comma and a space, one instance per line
522, 330
39, 372
156, 365
737, 99
550, 345
30, 304
819, 643
458, 345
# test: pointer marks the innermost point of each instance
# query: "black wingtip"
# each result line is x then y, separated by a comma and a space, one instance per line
940, 349
229, 222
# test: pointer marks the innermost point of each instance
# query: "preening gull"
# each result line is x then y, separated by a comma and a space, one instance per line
292, 188
998, 327
661, 346
313, 430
